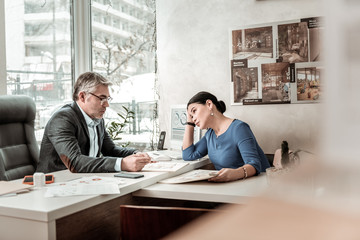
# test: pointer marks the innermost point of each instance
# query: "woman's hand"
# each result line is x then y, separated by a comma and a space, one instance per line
188, 138
189, 118
227, 175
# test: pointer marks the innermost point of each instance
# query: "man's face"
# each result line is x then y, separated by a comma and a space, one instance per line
91, 103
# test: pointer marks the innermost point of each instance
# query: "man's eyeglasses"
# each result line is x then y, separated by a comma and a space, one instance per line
102, 99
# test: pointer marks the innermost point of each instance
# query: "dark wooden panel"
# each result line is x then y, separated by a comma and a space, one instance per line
98, 222
163, 202
147, 223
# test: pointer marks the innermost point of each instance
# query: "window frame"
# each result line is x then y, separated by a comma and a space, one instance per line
2, 50
80, 12
81, 26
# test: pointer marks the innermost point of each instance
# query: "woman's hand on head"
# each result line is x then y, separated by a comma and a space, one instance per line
189, 118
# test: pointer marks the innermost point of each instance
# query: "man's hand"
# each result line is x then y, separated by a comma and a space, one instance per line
135, 162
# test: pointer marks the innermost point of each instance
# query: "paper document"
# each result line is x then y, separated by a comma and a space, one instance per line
156, 156
192, 176
164, 166
173, 154
93, 185
13, 188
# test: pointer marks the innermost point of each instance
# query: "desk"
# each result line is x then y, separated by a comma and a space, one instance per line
32, 216
232, 192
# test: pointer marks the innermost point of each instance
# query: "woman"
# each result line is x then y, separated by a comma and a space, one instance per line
229, 143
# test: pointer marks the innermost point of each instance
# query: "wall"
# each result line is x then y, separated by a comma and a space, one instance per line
193, 55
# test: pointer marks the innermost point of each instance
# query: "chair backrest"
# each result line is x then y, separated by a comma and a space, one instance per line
147, 222
19, 151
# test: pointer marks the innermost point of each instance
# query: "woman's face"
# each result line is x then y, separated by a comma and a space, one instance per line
200, 114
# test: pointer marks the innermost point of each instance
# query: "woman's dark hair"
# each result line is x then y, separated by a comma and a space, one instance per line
201, 98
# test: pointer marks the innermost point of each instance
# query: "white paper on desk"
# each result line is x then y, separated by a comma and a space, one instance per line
9, 188
192, 176
155, 156
164, 166
93, 185
170, 154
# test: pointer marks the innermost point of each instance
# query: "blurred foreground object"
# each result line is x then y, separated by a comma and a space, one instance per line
278, 220
313, 201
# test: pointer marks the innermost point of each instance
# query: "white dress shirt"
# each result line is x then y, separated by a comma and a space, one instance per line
94, 141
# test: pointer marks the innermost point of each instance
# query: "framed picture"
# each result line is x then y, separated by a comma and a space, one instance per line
278, 62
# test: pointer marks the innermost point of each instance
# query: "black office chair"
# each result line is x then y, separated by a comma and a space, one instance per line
19, 152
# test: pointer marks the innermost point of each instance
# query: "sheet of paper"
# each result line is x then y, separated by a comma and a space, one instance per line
13, 187
161, 166
157, 156
93, 185
195, 175
176, 155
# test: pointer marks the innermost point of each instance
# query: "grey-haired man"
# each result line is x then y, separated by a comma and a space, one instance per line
75, 137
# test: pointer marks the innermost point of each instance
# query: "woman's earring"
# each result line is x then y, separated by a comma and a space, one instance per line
212, 114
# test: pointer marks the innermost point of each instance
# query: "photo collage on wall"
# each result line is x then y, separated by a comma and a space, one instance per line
277, 63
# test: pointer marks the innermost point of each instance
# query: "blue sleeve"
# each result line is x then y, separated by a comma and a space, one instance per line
248, 147
196, 151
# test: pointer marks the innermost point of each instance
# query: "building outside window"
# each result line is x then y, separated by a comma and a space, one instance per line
126, 56
38, 54
39, 58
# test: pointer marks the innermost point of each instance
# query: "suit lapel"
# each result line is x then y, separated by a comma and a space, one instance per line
100, 128
100, 132
82, 120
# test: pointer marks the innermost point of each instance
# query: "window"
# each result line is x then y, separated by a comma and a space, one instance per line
40, 43
127, 58
116, 23
96, 16
38, 59
124, 8
105, 20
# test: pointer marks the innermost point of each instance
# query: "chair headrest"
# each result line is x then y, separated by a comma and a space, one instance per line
16, 108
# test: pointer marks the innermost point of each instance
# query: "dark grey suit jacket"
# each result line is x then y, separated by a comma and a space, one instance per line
66, 144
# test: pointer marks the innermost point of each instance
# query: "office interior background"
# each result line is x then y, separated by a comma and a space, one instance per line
163, 52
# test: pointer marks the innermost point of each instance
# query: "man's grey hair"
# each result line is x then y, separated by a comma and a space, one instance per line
88, 82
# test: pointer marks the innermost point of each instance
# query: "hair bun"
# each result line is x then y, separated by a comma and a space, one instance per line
222, 106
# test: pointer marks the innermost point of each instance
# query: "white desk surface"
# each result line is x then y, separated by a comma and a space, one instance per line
37, 215
35, 206
232, 192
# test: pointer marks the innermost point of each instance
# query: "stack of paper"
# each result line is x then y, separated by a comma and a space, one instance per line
177, 155
172, 154
164, 166
93, 185
194, 175
156, 156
